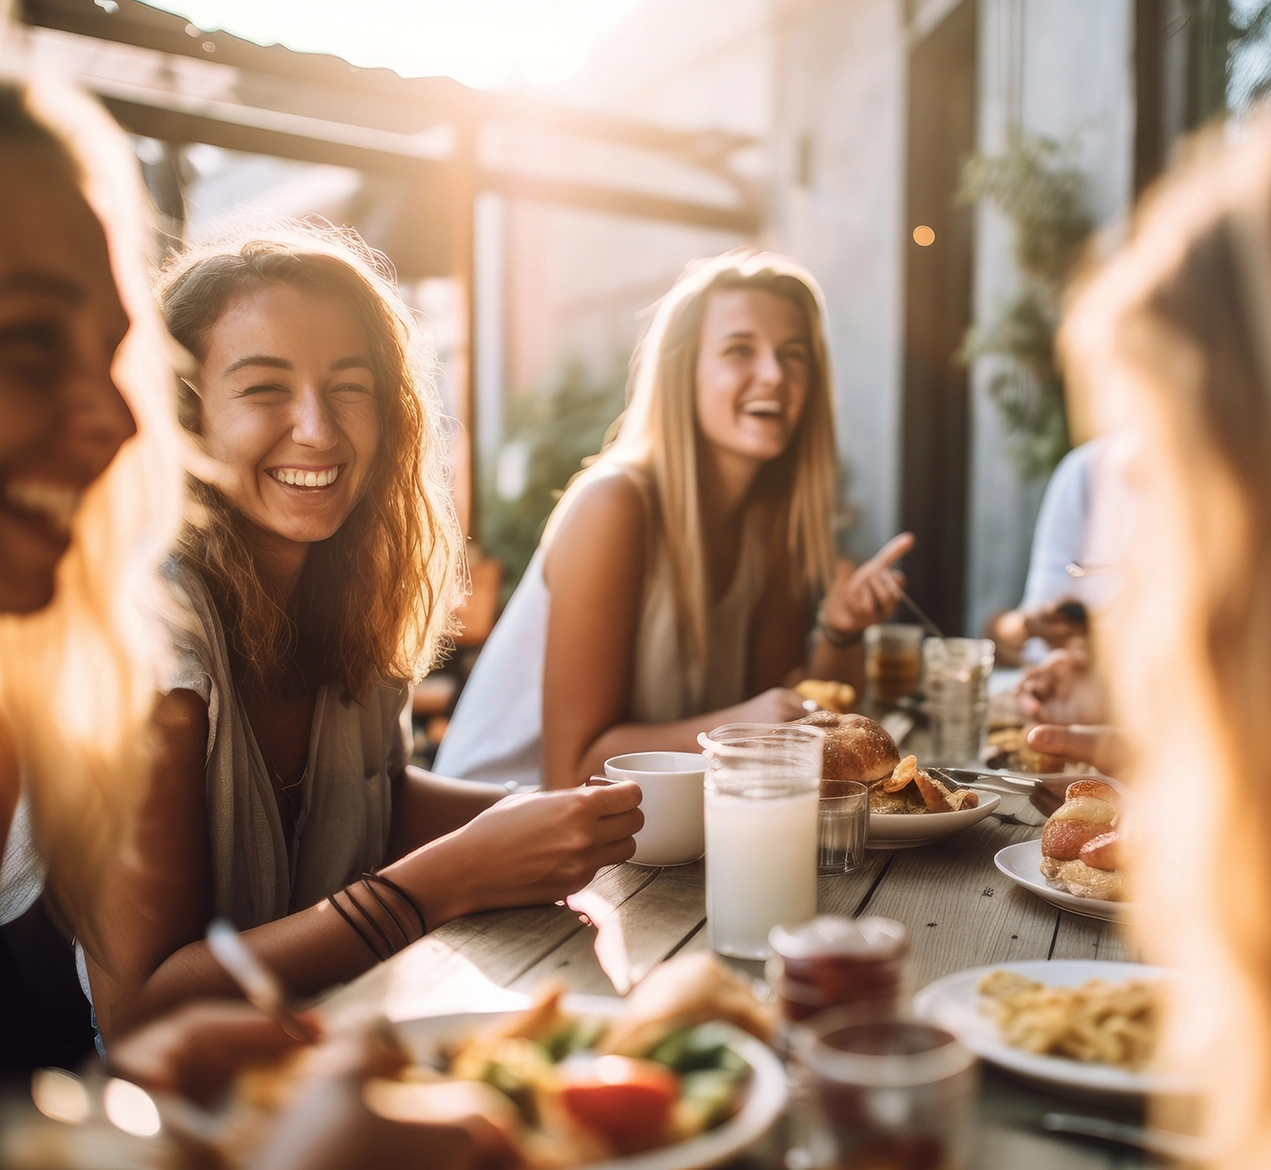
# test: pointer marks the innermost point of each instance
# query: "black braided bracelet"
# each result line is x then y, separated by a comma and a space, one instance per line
353, 926
370, 921
405, 897
370, 889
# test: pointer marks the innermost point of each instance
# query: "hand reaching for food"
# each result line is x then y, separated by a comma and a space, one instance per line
1057, 622
1063, 689
775, 705
1104, 748
196, 1051
863, 596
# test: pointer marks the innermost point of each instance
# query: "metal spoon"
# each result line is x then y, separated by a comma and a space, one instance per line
918, 612
261, 987
1155, 1141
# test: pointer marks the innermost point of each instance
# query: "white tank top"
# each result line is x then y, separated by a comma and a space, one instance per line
496, 733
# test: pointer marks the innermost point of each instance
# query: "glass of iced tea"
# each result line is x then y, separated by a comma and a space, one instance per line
879, 1091
893, 662
832, 962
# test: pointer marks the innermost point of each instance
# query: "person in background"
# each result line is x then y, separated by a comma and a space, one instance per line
1051, 615
316, 582
1174, 332
90, 494
676, 585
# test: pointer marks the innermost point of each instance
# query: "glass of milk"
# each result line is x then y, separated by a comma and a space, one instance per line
762, 795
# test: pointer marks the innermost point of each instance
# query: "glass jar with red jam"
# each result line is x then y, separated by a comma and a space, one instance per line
832, 961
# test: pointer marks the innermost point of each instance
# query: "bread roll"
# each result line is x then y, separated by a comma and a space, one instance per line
1080, 843
1093, 788
1103, 852
1089, 811
856, 748
1063, 839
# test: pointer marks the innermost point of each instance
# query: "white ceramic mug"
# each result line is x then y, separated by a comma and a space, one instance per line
674, 830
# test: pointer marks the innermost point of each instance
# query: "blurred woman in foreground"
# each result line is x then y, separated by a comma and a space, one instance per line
676, 586
89, 498
1175, 333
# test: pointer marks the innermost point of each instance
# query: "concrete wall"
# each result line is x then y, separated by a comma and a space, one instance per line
839, 117
1063, 69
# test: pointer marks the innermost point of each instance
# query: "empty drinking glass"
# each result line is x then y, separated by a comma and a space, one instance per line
842, 825
956, 680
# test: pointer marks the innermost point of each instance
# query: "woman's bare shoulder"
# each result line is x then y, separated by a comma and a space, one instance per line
609, 509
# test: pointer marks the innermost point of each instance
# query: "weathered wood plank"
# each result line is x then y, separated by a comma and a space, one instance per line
1087, 938
633, 937
960, 911
845, 893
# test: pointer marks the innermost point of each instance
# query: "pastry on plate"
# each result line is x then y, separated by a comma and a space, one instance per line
857, 748
1081, 846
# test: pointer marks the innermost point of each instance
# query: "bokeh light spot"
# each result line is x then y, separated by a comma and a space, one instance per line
60, 1095
130, 1108
924, 237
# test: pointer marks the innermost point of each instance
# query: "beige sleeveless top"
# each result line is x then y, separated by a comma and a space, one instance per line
668, 685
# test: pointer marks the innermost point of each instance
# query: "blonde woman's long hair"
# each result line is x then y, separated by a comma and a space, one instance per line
375, 602
1170, 347
659, 434
78, 678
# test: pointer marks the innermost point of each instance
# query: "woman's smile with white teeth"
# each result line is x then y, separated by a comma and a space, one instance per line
55, 503
301, 477
763, 407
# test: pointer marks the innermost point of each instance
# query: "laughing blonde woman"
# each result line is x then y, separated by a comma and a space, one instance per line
676, 586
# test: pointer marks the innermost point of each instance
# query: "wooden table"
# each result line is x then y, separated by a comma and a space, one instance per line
960, 911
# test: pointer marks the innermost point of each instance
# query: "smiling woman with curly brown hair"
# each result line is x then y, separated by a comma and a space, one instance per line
317, 581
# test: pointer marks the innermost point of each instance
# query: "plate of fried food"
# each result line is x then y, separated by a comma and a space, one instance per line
826, 695
1084, 1028
1077, 863
677, 1075
1007, 751
908, 805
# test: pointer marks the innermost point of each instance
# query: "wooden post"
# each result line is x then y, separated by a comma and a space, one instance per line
463, 361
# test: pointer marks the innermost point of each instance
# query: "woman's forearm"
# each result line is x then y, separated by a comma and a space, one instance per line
310, 951
427, 806
681, 736
625, 738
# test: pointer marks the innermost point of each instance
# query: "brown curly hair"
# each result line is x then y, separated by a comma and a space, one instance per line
375, 601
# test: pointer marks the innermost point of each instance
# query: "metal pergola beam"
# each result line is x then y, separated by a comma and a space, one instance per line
434, 98
256, 131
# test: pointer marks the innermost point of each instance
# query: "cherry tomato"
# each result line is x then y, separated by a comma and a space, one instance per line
626, 1101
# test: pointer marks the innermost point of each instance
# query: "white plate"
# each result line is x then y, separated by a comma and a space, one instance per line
765, 1095
907, 830
1022, 863
953, 1003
